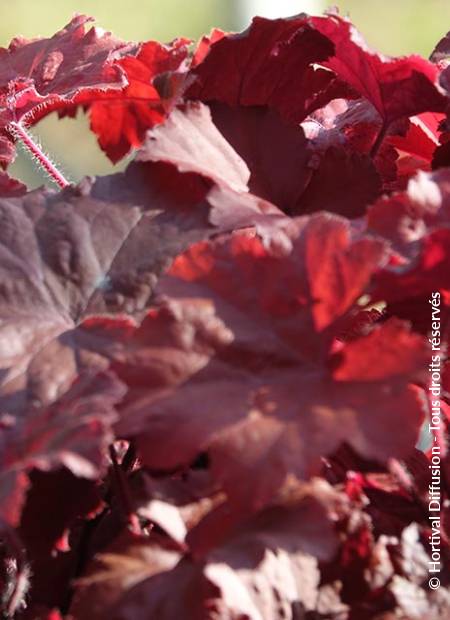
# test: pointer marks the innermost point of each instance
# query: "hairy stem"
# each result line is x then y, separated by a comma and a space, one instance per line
19, 132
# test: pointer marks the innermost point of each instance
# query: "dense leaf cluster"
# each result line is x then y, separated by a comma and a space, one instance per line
215, 365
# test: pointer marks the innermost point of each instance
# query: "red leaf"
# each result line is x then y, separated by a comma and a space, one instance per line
54, 274
13, 489
442, 49
43, 240
275, 152
269, 64
337, 171
325, 273
351, 129
191, 312
406, 218
120, 120
265, 401
74, 432
204, 46
420, 141
258, 565
396, 87
190, 141
41, 75
11, 187
382, 354
431, 272
126, 563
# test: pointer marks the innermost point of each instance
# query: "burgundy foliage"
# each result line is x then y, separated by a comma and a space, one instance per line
214, 365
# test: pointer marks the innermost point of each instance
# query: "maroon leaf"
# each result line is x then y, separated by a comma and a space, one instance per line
254, 364
406, 218
81, 499
442, 49
275, 152
261, 566
269, 64
126, 563
441, 157
41, 75
190, 141
74, 432
14, 486
337, 171
52, 268
66, 256
11, 187
273, 387
396, 87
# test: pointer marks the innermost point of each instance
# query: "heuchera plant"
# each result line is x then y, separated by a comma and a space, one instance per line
215, 365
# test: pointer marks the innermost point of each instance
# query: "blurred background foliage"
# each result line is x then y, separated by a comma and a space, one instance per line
400, 27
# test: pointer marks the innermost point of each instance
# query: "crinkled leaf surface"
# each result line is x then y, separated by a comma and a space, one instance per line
254, 568
53, 266
91, 249
190, 141
74, 432
185, 344
280, 314
41, 75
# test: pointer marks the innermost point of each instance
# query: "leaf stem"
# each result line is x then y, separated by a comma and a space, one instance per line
379, 139
123, 492
19, 132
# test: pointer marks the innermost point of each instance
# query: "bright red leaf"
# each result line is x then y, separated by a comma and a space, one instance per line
120, 119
